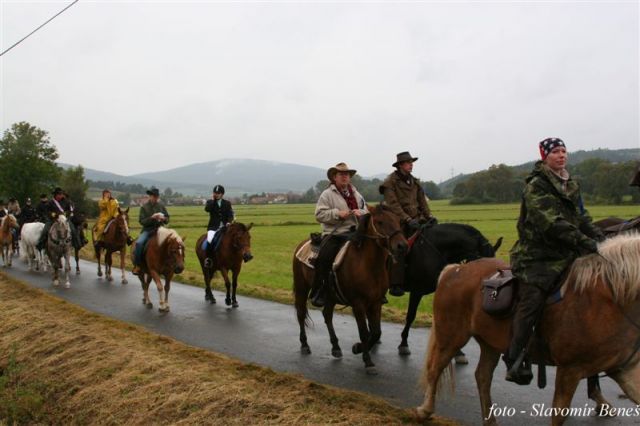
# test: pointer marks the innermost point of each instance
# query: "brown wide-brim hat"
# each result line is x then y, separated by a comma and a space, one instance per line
340, 167
402, 157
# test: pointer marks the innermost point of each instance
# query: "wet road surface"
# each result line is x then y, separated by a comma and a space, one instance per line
266, 333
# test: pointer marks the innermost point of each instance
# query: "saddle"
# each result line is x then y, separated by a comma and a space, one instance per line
624, 226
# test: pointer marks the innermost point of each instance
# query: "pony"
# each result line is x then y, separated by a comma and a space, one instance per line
434, 248
235, 248
363, 279
114, 240
600, 303
164, 255
29, 237
7, 227
58, 248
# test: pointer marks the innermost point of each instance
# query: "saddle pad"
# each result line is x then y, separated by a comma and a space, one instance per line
337, 262
306, 254
106, 228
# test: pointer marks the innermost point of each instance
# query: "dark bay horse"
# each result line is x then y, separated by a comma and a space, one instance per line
234, 249
114, 240
363, 278
58, 248
7, 228
79, 221
164, 256
600, 304
434, 248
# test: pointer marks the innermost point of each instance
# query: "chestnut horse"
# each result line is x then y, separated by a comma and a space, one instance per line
7, 227
234, 249
164, 255
594, 328
114, 240
363, 278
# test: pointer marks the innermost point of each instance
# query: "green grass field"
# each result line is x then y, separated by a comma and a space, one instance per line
279, 228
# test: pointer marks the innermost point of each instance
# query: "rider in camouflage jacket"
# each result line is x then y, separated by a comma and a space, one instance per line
553, 230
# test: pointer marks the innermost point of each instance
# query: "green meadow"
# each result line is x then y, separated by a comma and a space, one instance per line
277, 229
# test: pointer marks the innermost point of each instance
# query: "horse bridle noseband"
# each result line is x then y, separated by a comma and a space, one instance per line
379, 236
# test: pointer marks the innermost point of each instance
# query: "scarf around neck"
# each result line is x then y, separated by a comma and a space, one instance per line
349, 196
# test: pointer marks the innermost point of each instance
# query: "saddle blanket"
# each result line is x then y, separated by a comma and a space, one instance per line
308, 253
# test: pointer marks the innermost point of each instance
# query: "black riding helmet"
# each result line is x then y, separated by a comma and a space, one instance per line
218, 189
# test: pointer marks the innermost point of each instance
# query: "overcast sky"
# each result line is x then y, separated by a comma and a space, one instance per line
137, 86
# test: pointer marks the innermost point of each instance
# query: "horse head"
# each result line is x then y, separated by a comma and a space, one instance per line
122, 221
175, 251
10, 221
60, 232
241, 239
383, 226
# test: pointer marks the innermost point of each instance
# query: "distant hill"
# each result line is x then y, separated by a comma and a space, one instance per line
577, 157
239, 176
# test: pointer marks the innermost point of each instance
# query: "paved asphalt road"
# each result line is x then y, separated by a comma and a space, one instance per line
266, 333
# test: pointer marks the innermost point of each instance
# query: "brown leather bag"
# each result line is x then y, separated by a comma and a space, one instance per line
498, 293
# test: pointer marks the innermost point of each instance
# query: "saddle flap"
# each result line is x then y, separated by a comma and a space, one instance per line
307, 254
498, 293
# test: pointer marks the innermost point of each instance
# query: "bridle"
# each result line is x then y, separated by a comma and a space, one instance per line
67, 231
378, 236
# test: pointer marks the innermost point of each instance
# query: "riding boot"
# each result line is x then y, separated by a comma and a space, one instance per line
135, 270
397, 277
319, 295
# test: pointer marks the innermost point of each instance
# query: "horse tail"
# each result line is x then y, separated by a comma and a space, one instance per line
300, 292
23, 250
447, 376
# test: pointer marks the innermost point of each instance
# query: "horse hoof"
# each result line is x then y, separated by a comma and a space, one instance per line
371, 371
234, 304
461, 359
124, 281
99, 273
67, 284
404, 350
207, 297
422, 414
356, 348
213, 300
148, 305
305, 350
77, 271
164, 310
110, 279
336, 353
227, 301
56, 283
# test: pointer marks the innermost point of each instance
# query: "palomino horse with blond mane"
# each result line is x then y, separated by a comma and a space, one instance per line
362, 281
600, 304
235, 248
114, 240
163, 256
7, 227
59, 247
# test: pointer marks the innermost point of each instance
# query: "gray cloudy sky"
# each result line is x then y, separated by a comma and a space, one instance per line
136, 86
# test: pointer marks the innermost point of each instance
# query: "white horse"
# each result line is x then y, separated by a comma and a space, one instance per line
29, 238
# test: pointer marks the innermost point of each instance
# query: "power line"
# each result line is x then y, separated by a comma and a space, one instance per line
49, 20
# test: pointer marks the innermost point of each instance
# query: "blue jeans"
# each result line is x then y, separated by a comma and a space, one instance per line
140, 243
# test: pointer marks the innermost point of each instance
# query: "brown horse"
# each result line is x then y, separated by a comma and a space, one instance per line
600, 303
164, 255
235, 248
9, 224
114, 240
363, 278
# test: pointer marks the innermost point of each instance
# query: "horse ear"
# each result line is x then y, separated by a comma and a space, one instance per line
119, 210
127, 210
250, 226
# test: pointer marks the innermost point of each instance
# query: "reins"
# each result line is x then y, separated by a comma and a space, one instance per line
379, 236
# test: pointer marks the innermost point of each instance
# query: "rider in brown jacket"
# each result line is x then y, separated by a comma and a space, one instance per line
405, 197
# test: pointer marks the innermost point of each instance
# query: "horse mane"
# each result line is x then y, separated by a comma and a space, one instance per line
617, 264
166, 233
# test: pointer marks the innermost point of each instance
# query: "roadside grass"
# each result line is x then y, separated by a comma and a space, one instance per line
279, 228
61, 364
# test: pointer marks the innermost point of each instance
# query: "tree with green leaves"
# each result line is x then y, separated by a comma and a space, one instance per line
74, 183
27, 162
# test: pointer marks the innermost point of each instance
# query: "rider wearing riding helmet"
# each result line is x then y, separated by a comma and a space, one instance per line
153, 215
404, 195
337, 210
553, 230
220, 215
108, 207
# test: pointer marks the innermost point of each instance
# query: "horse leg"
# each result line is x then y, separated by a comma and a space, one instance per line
414, 300
374, 314
67, 269
234, 286
629, 381
167, 287
327, 313
10, 253
108, 261
363, 346
160, 287
595, 393
145, 280
301, 294
566, 383
123, 260
227, 284
489, 359
98, 255
208, 275
439, 355
76, 254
